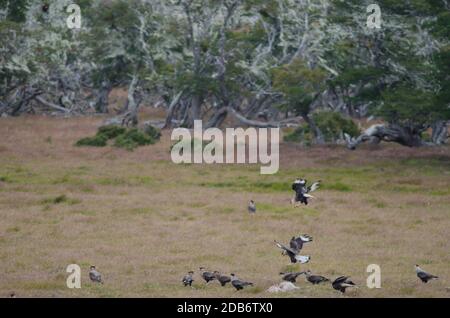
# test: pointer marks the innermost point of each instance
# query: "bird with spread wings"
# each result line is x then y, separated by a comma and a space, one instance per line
302, 191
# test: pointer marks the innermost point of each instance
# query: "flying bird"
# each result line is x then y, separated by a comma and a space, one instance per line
343, 282
291, 277
293, 254
315, 279
207, 276
296, 243
239, 284
424, 276
302, 191
188, 279
95, 276
223, 279
251, 207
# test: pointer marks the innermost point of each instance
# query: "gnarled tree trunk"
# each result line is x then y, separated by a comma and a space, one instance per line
405, 136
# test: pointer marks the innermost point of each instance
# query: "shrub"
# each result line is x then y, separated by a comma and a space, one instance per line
111, 131
96, 141
133, 138
333, 125
152, 132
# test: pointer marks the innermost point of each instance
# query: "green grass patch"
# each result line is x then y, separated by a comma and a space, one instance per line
60, 199
337, 186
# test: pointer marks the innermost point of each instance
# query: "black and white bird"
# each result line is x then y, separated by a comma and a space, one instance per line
295, 245
424, 276
95, 275
315, 279
302, 191
188, 279
207, 276
293, 254
223, 279
343, 282
291, 277
251, 207
239, 284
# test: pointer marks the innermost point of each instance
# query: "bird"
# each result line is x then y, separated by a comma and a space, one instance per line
315, 279
424, 276
187, 279
251, 207
302, 191
95, 276
45, 7
12, 295
239, 284
207, 276
291, 277
223, 279
343, 282
296, 243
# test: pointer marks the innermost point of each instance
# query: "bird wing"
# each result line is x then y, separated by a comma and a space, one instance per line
340, 280
296, 244
314, 186
285, 248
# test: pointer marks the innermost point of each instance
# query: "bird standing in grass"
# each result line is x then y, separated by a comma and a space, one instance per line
223, 279
291, 277
315, 279
239, 284
95, 276
302, 191
188, 279
424, 276
251, 207
207, 276
343, 282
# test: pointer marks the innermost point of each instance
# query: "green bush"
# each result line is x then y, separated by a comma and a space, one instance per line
332, 125
132, 139
124, 138
96, 141
111, 131
152, 132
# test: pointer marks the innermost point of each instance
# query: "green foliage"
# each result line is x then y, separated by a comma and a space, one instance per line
299, 84
98, 140
132, 139
111, 131
332, 125
128, 139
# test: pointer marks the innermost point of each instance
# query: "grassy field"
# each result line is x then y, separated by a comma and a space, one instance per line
144, 222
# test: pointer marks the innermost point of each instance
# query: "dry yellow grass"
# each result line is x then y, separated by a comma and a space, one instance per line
144, 221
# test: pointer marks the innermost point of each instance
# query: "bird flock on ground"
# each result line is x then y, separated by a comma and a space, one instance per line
341, 283
302, 194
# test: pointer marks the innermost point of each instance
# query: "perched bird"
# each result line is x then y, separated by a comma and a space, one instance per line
251, 207
94, 275
223, 279
187, 279
315, 279
239, 284
343, 282
291, 277
424, 276
302, 191
207, 276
